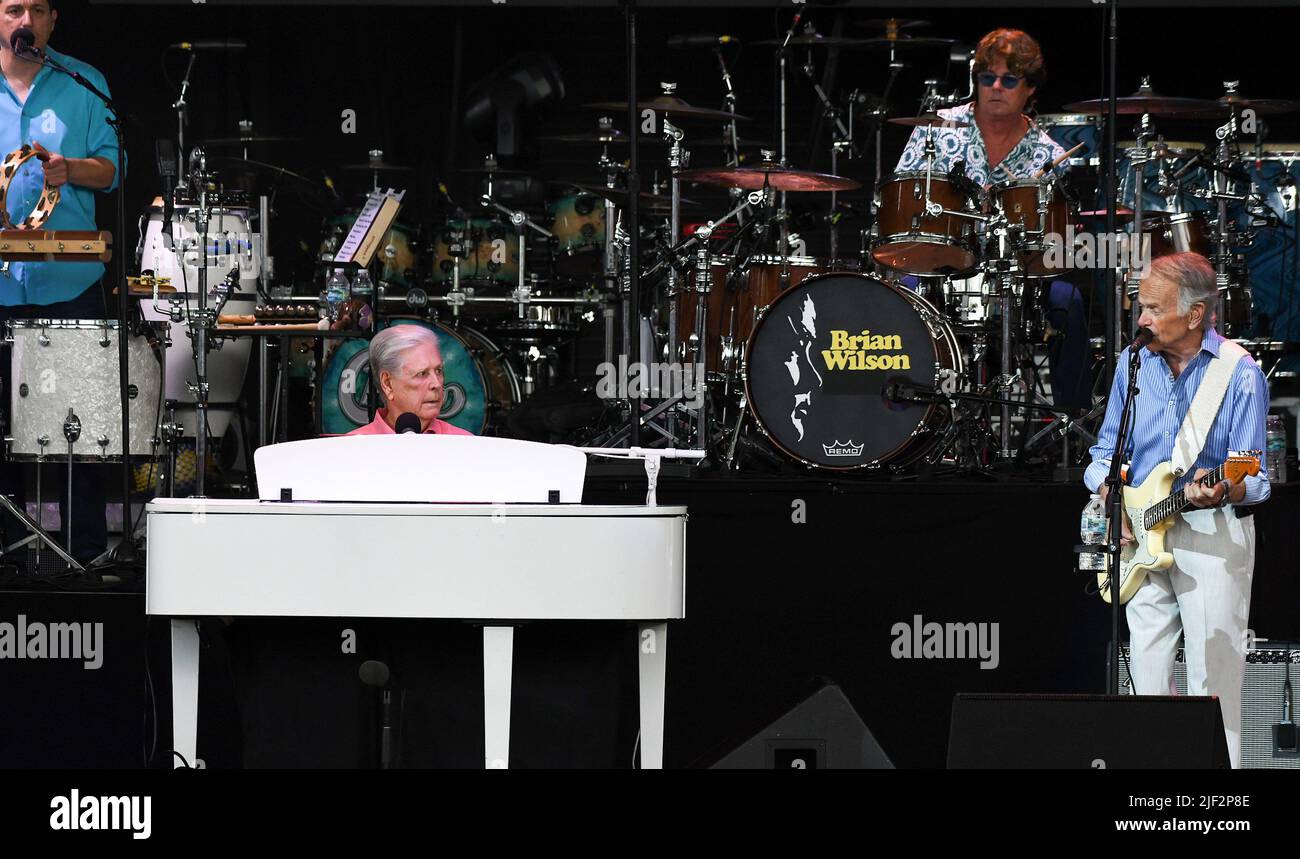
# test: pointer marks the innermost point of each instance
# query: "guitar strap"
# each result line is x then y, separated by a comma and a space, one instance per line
1195, 430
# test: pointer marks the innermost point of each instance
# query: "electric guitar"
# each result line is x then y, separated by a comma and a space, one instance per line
1149, 508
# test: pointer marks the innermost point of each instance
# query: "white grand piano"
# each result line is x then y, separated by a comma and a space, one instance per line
504, 550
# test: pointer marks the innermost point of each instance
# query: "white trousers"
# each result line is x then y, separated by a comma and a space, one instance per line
1205, 596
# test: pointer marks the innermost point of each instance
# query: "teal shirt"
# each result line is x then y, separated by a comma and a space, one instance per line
66, 119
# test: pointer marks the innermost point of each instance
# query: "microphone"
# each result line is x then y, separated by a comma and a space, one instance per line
211, 45
378, 675
700, 40
23, 43
407, 422
1142, 338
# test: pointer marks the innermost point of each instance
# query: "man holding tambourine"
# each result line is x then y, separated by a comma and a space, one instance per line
71, 153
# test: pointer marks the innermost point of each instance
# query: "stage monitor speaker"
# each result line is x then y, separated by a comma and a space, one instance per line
1268, 732
1085, 731
821, 732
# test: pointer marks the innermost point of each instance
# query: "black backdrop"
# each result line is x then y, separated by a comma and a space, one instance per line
402, 67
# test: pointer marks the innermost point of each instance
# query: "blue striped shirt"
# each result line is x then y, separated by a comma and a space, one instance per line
1162, 403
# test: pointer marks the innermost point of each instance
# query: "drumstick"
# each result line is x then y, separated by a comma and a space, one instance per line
1057, 163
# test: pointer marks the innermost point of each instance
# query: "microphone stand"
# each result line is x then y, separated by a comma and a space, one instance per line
126, 550
1115, 512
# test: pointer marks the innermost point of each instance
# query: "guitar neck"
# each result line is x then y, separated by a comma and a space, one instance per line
1177, 502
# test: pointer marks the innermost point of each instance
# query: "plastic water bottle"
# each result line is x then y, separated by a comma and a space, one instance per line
336, 291
362, 285
1092, 528
1275, 444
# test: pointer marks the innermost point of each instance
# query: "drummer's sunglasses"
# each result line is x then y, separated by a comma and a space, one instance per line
1008, 81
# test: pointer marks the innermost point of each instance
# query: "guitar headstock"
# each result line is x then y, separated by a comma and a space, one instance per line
1242, 464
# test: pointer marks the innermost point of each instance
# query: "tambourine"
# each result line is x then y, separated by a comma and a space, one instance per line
44, 206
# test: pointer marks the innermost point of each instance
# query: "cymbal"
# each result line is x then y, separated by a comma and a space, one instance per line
669, 104
929, 119
817, 40
272, 170
614, 136
249, 140
1146, 100
620, 196
378, 166
890, 24
884, 43
813, 40
768, 175
1237, 101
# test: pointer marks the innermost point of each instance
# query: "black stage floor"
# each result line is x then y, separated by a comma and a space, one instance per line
788, 580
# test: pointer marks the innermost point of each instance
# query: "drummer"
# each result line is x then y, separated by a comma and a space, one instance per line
1000, 144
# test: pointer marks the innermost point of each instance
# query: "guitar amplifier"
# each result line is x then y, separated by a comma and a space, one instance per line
1268, 667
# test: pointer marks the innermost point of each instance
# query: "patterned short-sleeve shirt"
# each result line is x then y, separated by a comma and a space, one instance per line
1030, 154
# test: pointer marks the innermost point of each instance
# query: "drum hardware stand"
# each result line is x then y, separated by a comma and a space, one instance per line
200, 322
729, 132
841, 141
678, 159
1127, 286
171, 433
1004, 269
1061, 427
71, 432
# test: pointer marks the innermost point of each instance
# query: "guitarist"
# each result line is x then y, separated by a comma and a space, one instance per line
1205, 595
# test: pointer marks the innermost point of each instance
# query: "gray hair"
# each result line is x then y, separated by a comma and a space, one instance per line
1195, 279
388, 347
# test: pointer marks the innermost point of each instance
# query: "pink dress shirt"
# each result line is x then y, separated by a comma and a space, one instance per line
380, 427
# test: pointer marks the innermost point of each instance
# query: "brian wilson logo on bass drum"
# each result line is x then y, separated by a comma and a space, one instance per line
839, 448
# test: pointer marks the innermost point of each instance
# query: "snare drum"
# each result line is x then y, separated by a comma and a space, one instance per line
911, 241
479, 383
821, 360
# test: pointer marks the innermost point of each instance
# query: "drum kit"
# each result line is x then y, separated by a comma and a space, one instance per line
913, 347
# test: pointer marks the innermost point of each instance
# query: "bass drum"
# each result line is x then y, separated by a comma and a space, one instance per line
480, 385
820, 361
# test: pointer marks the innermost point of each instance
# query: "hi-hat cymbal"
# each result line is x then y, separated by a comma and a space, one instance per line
669, 104
768, 175
1146, 100
929, 119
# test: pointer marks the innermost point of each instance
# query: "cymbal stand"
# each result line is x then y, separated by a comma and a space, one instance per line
678, 159
1140, 155
698, 246
1224, 160
200, 322
1004, 269
612, 170
841, 141
730, 135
